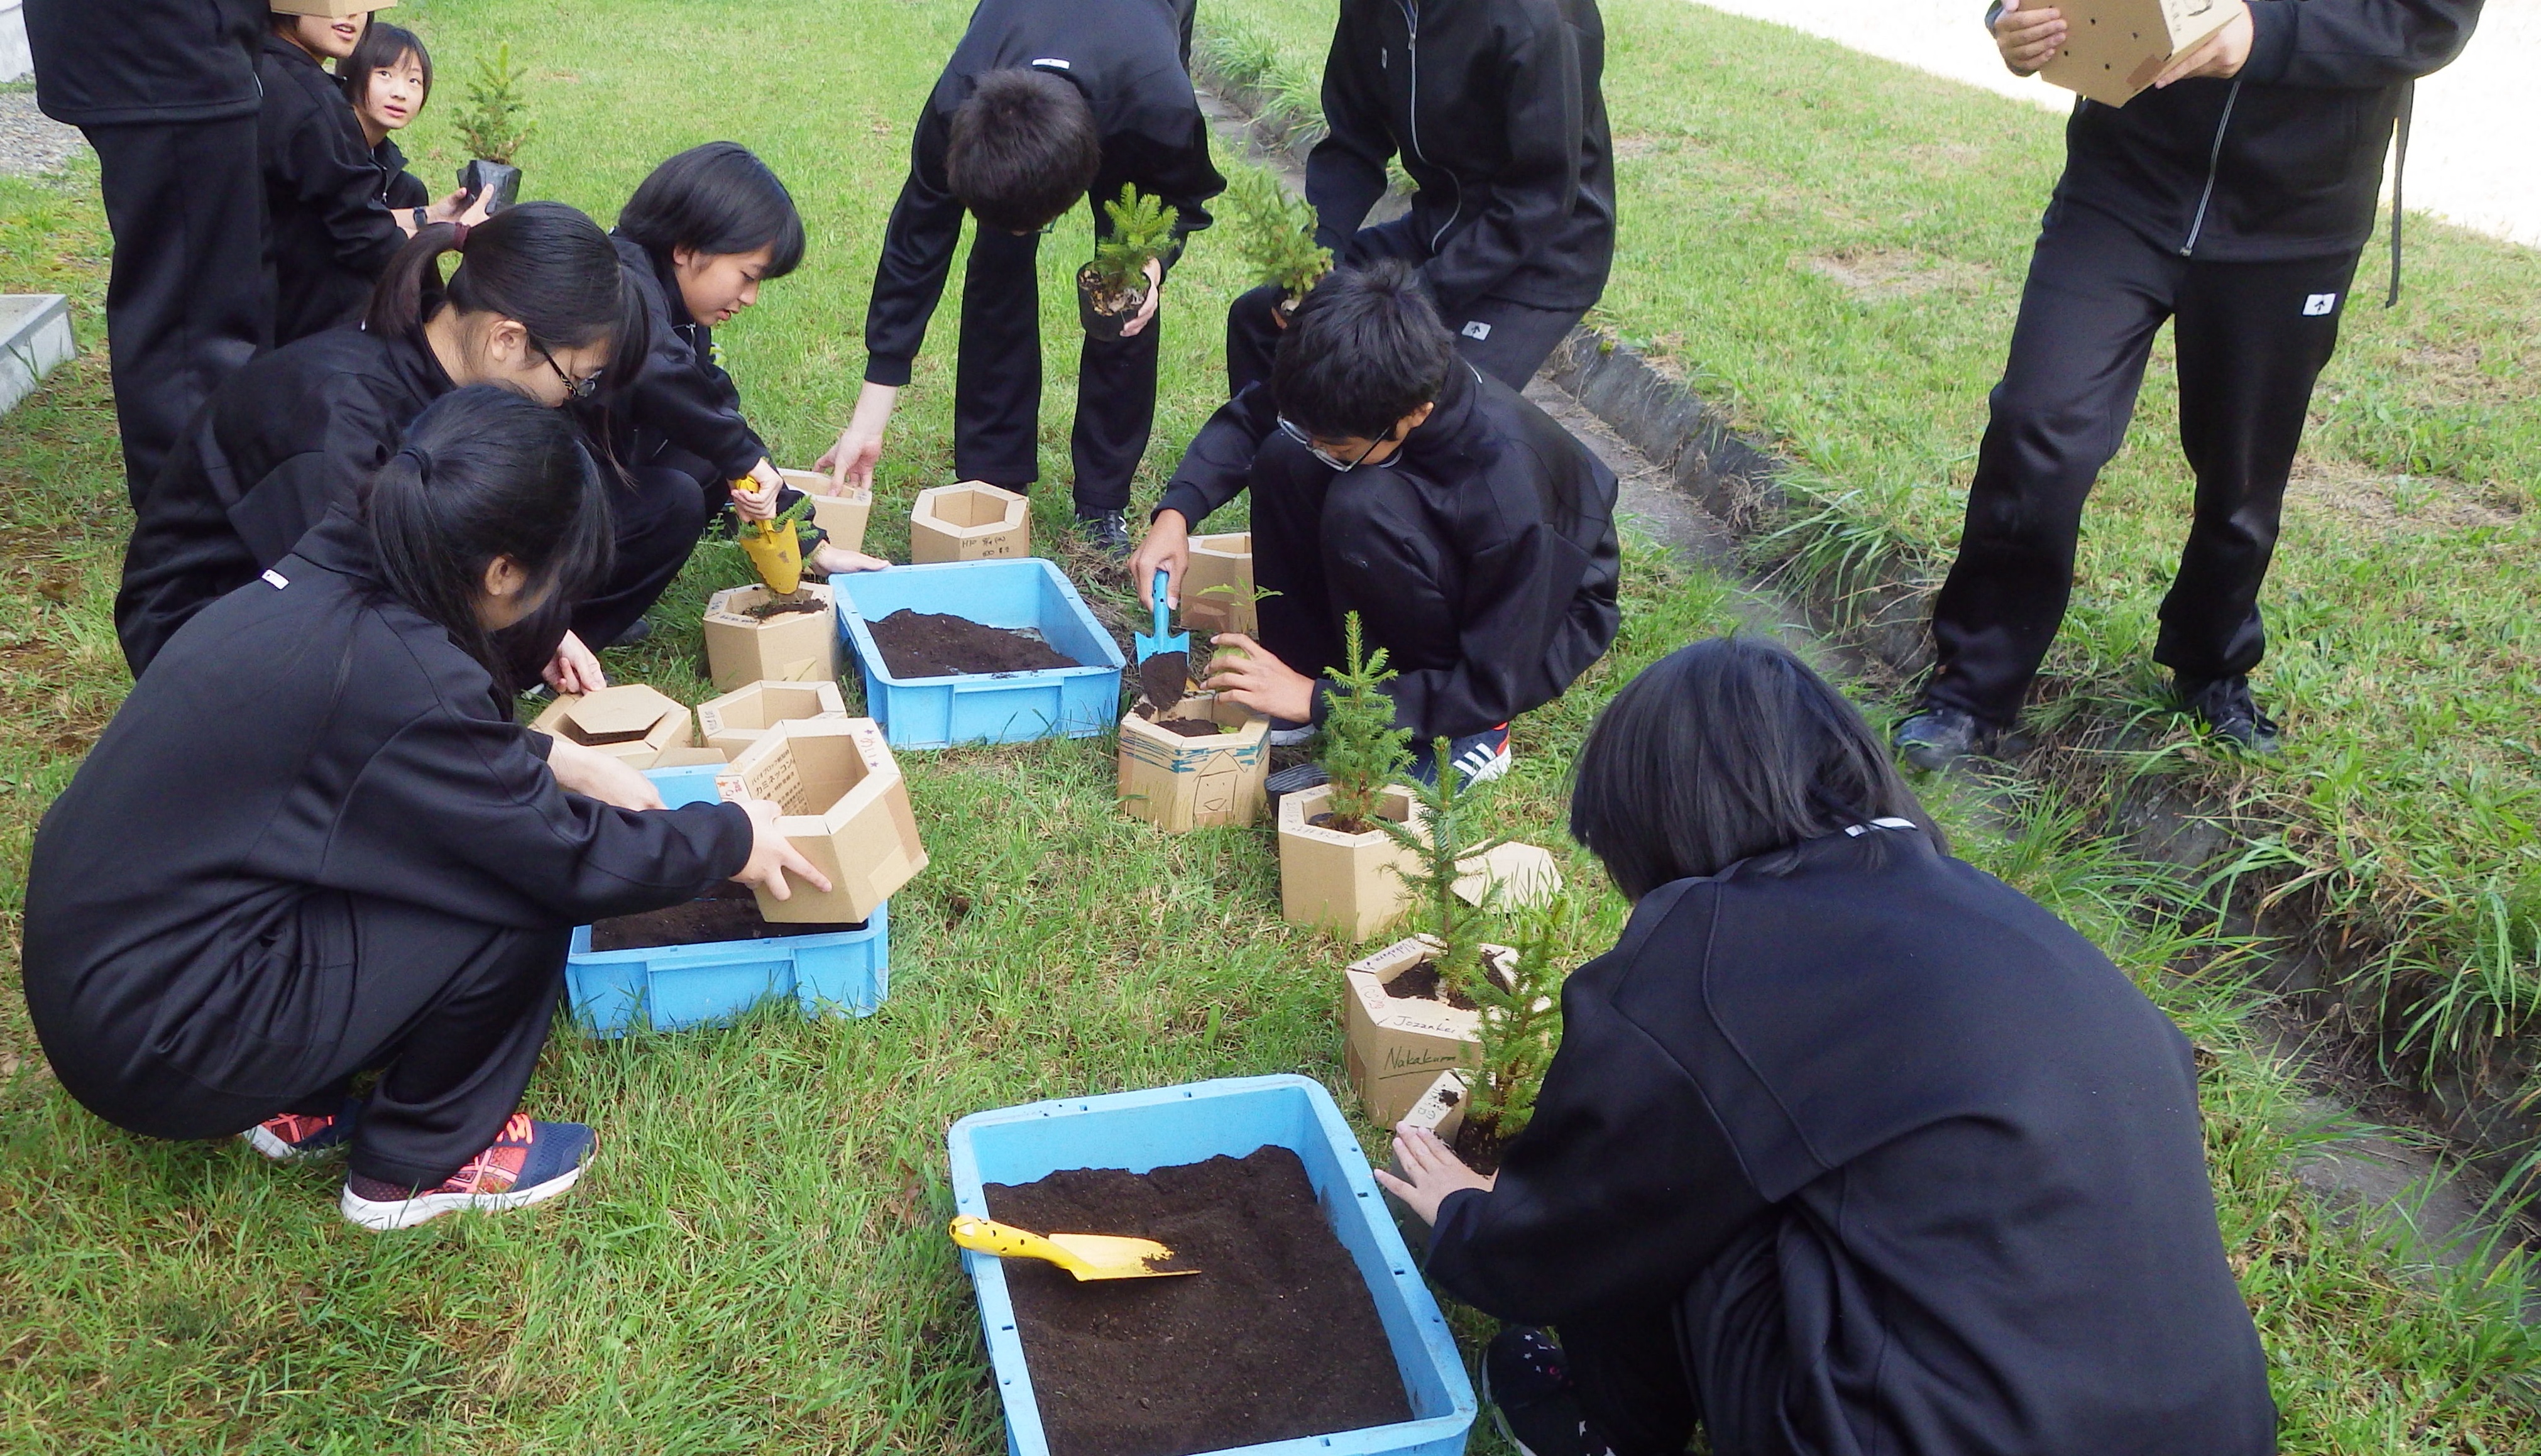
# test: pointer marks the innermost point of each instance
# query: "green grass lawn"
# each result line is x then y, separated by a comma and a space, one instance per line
755, 1262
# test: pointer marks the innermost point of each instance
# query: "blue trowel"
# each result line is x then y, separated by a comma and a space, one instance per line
1164, 659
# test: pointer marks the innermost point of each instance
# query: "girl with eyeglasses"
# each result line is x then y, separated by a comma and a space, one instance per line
537, 305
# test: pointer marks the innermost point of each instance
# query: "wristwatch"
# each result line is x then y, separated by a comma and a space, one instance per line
422, 220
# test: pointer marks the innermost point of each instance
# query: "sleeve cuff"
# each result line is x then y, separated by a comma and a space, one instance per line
1322, 701
886, 371
541, 743
2272, 41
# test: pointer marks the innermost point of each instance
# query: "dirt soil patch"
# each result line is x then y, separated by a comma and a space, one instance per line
726, 912
780, 605
1421, 982
2389, 505
934, 644
1184, 727
1276, 1337
1478, 1145
1879, 274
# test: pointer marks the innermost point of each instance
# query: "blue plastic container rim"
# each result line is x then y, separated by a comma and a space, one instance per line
1438, 1345
852, 621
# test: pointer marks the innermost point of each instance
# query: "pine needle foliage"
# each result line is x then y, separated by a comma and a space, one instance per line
1143, 232
1364, 752
1276, 232
1442, 843
1521, 1022
496, 124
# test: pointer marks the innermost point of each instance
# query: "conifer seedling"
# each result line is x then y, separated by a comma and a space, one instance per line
1364, 752
1521, 1022
497, 124
1276, 232
1143, 232
1439, 848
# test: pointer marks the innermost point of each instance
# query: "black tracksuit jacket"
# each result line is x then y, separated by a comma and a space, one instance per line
295, 740
286, 440
1498, 113
682, 399
399, 188
1133, 60
328, 235
119, 62
2284, 161
1483, 557
1956, 1152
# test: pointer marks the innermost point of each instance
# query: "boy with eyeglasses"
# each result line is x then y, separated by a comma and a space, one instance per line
1474, 537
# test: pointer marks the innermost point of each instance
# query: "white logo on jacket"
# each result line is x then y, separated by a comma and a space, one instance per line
2319, 304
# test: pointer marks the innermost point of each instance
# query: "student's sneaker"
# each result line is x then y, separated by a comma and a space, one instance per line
296, 1136
638, 631
529, 1163
1106, 532
1296, 779
2226, 710
1284, 734
1527, 1384
1485, 761
1935, 737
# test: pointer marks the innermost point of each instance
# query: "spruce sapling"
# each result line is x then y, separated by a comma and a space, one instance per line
1364, 752
1276, 232
1521, 1023
1440, 846
496, 124
1143, 232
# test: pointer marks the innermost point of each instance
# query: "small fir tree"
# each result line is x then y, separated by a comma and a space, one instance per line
1445, 840
1143, 232
496, 124
1364, 752
1276, 232
1521, 1022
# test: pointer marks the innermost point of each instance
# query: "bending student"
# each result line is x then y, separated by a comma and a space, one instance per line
1848, 1146
1474, 537
537, 305
312, 844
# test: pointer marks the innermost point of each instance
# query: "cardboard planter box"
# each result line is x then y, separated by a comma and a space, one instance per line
2114, 48
631, 722
1344, 883
791, 647
740, 718
844, 517
1526, 875
846, 808
1215, 561
1441, 1107
1178, 784
1395, 1046
970, 521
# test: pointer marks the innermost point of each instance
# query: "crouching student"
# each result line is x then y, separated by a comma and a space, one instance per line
536, 305
388, 78
1848, 1146
312, 844
698, 238
1474, 537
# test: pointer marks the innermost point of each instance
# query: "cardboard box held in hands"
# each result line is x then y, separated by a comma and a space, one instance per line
2114, 48
742, 717
846, 809
843, 516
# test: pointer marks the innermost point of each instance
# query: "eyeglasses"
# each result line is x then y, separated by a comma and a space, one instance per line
1328, 459
574, 388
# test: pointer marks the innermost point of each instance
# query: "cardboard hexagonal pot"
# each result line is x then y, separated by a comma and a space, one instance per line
743, 716
1224, 560
1340, 882
789, 647
846, 808
631, 721
1178, 783
972, 521
844, 517
1395, 1046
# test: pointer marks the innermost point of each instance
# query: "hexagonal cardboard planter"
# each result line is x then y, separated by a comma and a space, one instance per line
743, 716
844, 517
1224, 560
632, 721
791, 647
1345, 883
1395, 1046
972, 521
846, 809
1180, 783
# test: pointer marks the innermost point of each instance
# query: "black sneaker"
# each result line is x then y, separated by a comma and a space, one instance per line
1934, 737
636, 632
1106, 532
2224, 707
1296, 779
1527, 1384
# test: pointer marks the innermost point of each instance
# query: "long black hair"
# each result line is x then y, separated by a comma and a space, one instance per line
486, 473
541, 263
716, 199
1723, 751
381, 46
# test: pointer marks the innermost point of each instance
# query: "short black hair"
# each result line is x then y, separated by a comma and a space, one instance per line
1364, 349
716, 199
1727, 750
1024, 149
382, 45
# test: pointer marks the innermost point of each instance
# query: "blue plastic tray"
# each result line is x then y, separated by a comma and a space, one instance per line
999, 707
1145, 1130
693, 783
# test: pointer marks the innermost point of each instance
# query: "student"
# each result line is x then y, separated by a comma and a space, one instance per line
388, 78
352, 859
2235, 197
698, 238
1045, 101
1474, 536
327, 232
1499, 114
537, 305
166, 92
1848, 1146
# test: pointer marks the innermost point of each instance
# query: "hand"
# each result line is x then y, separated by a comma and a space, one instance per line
1155, 295
1168, 545
831, 558
596, 775
446, 209
1431, 1172
573, 671
860, 449
2027, 38
1243, 673
2222, 55
770, 855
758, 503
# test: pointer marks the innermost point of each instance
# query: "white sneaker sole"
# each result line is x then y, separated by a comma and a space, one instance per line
282, 1153
385, 1214
1291, 736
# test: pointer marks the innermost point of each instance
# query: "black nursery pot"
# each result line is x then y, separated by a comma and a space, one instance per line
497, 182
1099, 323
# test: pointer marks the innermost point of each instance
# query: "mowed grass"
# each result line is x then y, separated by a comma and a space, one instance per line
1833, 247
755, 1262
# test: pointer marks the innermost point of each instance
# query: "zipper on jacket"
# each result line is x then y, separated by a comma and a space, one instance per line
1411, 52
2214, 164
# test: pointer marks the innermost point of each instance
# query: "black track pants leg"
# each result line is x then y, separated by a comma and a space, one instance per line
1115, 412
1629, 1372
655, 518
1509, 341
997, 381
1252, 335
185, 304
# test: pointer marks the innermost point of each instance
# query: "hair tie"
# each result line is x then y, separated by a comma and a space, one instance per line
422, 459
459, 236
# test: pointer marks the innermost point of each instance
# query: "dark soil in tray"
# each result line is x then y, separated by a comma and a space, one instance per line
780, 605
1276, 1337
933, 645
728, 911
1420, 984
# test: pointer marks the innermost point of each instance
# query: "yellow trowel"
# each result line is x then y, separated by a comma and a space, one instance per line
1086, 1256
775, 552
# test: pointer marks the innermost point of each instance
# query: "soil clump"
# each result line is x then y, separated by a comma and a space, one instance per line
1421, 982
780, 605
934, 644
726, 912
1165, 678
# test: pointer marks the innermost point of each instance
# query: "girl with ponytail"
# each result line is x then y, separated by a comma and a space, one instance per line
536, 305
357, 859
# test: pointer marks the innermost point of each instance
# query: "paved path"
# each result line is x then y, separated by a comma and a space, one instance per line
2474, 155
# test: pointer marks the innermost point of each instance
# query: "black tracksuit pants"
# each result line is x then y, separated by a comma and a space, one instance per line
1647, 1377
2251, 339
185, 303
996, 384
451, 1012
